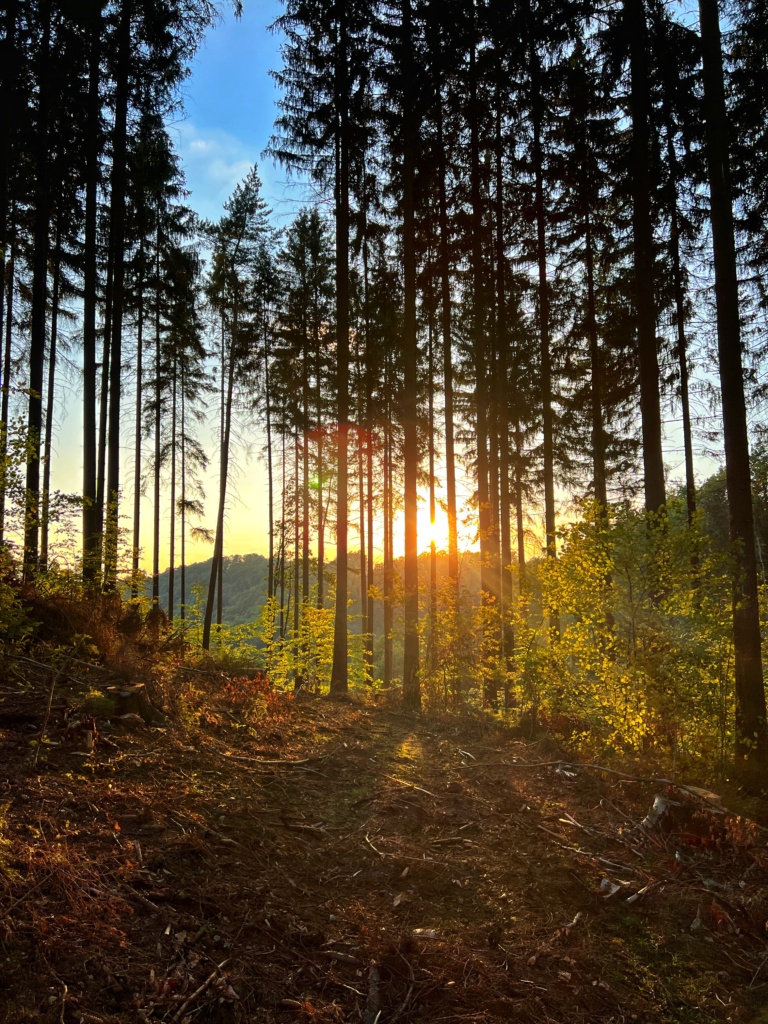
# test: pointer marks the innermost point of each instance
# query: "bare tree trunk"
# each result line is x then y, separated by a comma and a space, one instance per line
91, 528
283, 618
339, 670
432, 495
138, 433
172, 538
101, 455
596, 363
682, 341
364, 574
297, 676
42, 216
411, 685
751, 734
117, 230
519, 515
270, 468
368, 504
8, 102
545, 357
502, 410
218, 545
388, 556
445, 316
642, 227
371, 566
305, 482
50, 398
158, 446
183, 517
6, 390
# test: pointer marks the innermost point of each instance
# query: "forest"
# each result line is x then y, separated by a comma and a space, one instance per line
475, 729
532, 258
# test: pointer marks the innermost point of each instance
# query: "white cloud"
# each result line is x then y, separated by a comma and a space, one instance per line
214, 161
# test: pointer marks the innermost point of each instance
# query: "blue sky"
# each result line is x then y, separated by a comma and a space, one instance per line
229, 109
230, 106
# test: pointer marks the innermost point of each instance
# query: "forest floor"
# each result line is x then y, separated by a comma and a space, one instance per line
334, 861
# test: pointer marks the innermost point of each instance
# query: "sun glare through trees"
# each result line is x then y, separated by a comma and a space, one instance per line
495, 391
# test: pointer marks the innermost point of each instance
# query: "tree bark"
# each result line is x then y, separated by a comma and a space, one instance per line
137, 429
41, 229
445, 319
339, 670
117, 230
751, 734
411, 685
218, 546
90, 284
50, 398
6, 389
172, 538
644, 276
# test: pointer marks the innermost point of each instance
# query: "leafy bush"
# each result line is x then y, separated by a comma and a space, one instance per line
644, 657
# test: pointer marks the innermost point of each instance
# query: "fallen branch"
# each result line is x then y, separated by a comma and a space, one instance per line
258, 760
411, 785
198, 992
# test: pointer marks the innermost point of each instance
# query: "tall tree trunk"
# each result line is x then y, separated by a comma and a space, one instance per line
50, 398
432, 495
502, 409
298, 678
158, 436
519, 512
137, 430
371, 567
117, 231
339, 670
284, 488
101, 455
682, 341
485, 519
644, 277
91, 529
363, 560
222, 430
270, 467
183, 517
9, 62
411, 686
596, 363
320, 521
6, 389
172, 538
751, 734
368, 596
545, 356
218, 545
41, 229
305, 481
388, 555
445, 318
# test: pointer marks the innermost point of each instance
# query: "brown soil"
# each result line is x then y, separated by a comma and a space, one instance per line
337, 861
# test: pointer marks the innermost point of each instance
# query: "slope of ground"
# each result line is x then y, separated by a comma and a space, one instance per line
341, 861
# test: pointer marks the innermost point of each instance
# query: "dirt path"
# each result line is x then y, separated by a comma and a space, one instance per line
348, 863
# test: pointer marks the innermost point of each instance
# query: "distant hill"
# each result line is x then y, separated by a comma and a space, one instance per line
245, 586
246, 578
